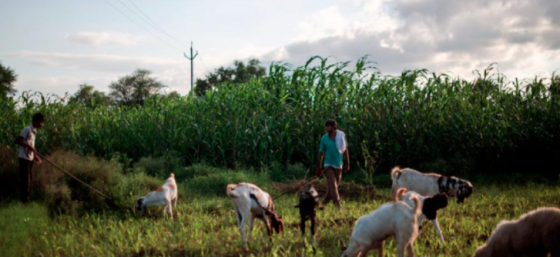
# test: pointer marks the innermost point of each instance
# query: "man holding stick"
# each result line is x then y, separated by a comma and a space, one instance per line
332, 150
27, 155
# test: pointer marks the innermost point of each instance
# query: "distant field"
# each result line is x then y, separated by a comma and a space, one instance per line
206, 226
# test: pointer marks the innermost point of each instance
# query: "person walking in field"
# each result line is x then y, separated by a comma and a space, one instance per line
333, 149
27, 154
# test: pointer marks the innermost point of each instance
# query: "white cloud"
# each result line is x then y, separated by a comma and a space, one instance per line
103, 38
456, 36
95, 62
104, 69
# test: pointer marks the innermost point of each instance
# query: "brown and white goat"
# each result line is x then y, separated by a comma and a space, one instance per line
163, 196
250, 202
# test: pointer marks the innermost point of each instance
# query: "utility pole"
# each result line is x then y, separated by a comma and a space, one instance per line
191, 58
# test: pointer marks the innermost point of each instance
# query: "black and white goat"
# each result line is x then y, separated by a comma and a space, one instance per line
428, 184
250, 202
430, 207
308, 203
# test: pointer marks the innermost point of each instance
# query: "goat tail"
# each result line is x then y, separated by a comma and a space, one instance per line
417, 207
231, 191
400, 192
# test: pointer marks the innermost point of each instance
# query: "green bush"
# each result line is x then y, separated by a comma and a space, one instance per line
160, 167
215, 184
65, 195
281, 173
197, 170
132, 186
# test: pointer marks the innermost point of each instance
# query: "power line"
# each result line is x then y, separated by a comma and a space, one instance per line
204, 64
156, 26
142, 27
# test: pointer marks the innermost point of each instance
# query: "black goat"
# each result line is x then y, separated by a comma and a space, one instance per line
308, 202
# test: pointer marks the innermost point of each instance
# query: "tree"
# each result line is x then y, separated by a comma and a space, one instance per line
135, 88
7, 79
89, 96
239, 73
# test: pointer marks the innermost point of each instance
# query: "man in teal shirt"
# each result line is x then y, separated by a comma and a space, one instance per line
331, 153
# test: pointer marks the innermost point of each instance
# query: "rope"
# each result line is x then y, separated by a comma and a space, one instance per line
74, 177
298, 187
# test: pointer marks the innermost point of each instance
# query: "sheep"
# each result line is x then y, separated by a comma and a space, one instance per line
391, 219
251, 202
427, 184
536, 233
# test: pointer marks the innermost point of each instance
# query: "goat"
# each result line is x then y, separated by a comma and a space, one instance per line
390, 219
250, 202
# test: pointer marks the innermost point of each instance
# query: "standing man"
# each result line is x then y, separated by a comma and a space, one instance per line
27, 154
332, 150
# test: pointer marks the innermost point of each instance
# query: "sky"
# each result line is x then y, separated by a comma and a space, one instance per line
54, 46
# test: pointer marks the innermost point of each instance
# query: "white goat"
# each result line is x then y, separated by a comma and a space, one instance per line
251, 202
390, 219
163, 196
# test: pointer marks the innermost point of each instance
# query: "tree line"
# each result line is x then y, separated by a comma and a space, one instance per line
134, 89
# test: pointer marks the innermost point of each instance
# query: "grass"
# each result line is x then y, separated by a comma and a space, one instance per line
206, 226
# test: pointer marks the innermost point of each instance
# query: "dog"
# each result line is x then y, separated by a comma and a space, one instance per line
250, 202
390, 219
430, 207
163, 196
536, 233
308, 203
427, 184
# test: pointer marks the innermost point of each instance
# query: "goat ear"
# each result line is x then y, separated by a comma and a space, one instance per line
297, 206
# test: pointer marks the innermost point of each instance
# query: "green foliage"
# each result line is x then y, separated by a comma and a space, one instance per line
160, 167
281, 173
90, 97
7, 79
239, 73
135, 88
214, 184
62, 195
432, 122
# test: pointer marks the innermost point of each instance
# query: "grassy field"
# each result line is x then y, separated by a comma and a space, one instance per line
206, 226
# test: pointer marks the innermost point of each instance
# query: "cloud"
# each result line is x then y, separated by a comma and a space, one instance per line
103, 38
455, 36
100, 70
95, 62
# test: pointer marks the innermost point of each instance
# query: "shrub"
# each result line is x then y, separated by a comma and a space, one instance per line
161, 166
65, 195
215, 184
282, 173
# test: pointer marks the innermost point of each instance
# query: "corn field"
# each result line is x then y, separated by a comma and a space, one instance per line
419, 119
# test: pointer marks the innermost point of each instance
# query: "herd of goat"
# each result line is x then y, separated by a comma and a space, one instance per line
414, 196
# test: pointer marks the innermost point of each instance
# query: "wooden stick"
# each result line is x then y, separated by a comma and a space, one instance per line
74, 177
